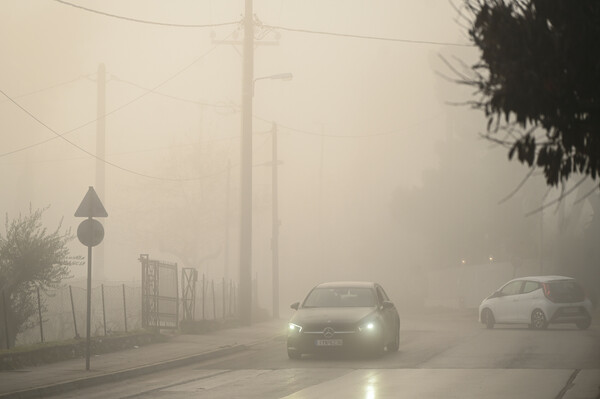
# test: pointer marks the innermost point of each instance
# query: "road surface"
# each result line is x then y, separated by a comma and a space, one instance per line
440, 356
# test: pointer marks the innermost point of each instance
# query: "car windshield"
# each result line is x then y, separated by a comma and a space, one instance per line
340, 297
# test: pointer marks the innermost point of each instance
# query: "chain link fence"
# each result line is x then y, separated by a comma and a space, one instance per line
61, 313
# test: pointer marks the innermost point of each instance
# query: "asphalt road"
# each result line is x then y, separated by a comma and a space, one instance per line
440, 356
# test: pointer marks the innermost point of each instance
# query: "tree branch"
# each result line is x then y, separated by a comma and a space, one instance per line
527, 176
560, 198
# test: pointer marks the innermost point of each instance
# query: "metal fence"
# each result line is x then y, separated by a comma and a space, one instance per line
61, 313
214, 299
115, 309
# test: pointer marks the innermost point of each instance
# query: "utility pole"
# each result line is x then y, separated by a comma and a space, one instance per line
542, 241
275, 238
226, 254
245, 272
100, 165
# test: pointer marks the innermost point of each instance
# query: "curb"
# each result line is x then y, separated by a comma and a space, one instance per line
61, 387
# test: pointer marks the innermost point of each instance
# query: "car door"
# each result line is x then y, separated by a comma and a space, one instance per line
524, 304
505, 304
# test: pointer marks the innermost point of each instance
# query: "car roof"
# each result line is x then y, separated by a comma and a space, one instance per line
346, 284
543, 279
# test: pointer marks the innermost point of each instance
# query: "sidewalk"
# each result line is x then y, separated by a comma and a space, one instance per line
179, 350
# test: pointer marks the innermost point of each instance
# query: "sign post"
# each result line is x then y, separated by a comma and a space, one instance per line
90, 233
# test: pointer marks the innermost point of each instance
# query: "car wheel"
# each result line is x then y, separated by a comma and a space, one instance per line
538, 320
584, 324
393, 347
294, 354
377, 349
488, 318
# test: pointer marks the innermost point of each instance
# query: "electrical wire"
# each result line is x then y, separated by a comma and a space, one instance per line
118, 108
186, 100
262, 25
58, 135
387, 39
54, 86
254, 150
142, 21
350, 136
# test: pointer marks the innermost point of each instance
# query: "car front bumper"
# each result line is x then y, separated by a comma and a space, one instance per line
349, 342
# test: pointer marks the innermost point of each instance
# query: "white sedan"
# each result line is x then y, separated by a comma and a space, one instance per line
537, 301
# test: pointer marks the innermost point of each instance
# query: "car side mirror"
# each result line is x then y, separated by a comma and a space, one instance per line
497, 294
295, 305
387, 305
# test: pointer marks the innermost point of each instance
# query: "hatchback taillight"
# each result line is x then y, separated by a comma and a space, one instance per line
547, 293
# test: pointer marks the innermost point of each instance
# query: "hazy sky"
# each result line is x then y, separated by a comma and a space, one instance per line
385, 92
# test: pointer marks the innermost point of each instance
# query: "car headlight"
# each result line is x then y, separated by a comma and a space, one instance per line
367, 327
294, 328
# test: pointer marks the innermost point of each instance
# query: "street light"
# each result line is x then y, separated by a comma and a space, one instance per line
245, 292
279, 76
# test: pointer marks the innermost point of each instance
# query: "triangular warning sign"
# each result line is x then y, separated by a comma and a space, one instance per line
91, 206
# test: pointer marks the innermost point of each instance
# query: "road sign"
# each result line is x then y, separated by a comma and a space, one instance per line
91, 206
90, 232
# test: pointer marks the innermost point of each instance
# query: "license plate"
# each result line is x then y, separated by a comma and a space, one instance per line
570, 310
329, 342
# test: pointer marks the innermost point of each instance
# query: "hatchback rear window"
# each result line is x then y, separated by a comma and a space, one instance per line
565, 291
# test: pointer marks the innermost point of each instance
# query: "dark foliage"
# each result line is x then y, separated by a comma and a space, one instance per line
540, 71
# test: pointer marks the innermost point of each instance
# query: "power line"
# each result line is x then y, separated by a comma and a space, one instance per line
58, 135
339, 136
117, 154
131, 152
176, 74
349, 136
387, 39
54, 86
142, 21
187, 100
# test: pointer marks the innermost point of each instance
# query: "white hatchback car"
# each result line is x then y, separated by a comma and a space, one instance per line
537, 301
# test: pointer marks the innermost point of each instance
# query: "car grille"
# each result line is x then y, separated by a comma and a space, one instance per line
337, 328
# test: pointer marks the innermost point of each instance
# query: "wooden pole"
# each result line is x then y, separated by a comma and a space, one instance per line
5, 313
73, 311
103, 309
40, 314
124, 309
212, 284
224, 296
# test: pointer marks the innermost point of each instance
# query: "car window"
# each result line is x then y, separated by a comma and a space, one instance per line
340, 297
566, 291
512, 288
530, 286
381, 295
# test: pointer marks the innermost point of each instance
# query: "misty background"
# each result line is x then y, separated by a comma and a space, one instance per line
382, 176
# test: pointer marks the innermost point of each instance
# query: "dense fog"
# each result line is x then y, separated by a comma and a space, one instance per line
383, 174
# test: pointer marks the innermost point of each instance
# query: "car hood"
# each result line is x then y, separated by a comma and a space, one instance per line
336, 315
